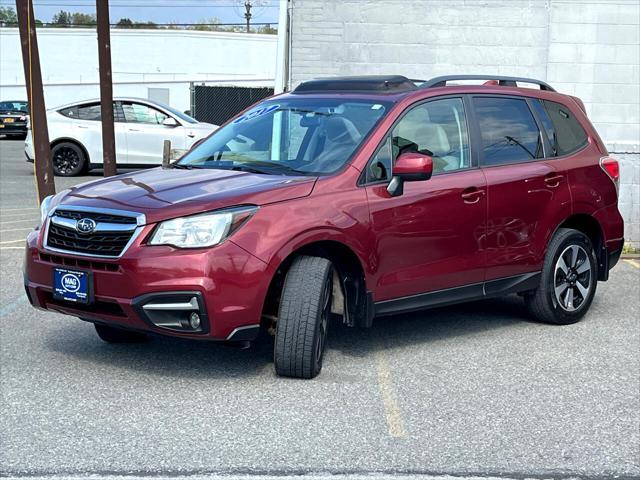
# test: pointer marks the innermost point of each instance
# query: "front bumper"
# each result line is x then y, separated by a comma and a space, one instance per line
15, 128
229, 283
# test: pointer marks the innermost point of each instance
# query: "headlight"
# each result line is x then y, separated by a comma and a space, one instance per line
204, 230
45, 206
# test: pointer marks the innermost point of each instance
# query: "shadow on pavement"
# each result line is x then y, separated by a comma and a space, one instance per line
166, 356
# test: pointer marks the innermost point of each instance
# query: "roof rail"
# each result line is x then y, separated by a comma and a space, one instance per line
367, 83
502, 81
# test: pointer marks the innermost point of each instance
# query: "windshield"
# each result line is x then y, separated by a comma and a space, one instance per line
180, 115
13, 107
295, 136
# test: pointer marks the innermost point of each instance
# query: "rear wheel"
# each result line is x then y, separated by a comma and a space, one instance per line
68, 159
118, 335
568, 282
303, 318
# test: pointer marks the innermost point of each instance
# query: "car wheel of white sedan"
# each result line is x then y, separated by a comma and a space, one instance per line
68, 159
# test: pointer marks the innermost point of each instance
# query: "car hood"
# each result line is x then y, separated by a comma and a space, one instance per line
168, 193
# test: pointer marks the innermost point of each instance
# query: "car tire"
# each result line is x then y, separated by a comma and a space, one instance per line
118, 335
568, 281
303, 318
68, 159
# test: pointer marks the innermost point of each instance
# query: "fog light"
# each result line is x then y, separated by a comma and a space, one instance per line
194, 320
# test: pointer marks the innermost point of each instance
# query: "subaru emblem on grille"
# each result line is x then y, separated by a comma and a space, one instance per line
85, 225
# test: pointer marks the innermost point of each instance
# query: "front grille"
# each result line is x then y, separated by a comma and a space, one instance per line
64, 236
77, 263
98, 217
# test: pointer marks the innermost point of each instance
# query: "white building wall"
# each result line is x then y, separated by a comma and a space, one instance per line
141, 59
586, 48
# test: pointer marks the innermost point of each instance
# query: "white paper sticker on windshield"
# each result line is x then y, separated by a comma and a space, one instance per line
376, 106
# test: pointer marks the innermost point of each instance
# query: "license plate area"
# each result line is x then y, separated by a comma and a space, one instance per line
70, 285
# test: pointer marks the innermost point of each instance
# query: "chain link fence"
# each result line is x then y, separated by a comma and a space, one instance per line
215, 104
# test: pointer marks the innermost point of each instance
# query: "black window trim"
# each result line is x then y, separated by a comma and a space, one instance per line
362, 180
545, 145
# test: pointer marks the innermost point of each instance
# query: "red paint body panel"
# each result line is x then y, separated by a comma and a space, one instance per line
526, 203
455, 229
428, 238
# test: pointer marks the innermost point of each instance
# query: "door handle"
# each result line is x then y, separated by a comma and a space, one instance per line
472, 195
553, 180
191, 135
82, 126
134, 130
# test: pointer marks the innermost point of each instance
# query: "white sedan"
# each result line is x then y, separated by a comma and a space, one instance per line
141, 127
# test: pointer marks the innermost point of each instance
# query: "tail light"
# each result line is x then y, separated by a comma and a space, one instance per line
612, 168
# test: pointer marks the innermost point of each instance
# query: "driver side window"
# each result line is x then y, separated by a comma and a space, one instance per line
139, 113
437, 128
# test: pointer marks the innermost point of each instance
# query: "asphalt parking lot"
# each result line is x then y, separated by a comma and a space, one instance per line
473, 390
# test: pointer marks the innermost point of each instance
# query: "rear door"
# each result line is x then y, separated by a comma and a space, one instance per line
146, 133
430, 237
86, 127
527, 195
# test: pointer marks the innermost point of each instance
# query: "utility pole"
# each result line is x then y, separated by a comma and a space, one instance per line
247, 14
42, 166
106, 88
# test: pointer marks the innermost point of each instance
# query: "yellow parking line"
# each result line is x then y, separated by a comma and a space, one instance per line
632, 262
389, 398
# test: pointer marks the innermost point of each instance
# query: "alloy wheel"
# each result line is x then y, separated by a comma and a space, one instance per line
572, 278
66, 160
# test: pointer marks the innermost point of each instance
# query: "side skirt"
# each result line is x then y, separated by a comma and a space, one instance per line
466, 293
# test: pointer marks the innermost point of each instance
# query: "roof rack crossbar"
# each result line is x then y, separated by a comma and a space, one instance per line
502, 80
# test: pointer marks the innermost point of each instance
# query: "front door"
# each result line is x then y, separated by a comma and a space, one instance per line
431, 237
146, 133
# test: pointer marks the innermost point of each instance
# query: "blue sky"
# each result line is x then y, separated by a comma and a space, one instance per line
162, 11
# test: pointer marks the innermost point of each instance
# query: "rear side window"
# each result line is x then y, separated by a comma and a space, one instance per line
90, 112
565, 133
508, 129
71, 112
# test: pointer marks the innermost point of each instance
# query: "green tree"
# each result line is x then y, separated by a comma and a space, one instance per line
8, 16
268, 29
209, 25
78, 18
61, 18
124, 23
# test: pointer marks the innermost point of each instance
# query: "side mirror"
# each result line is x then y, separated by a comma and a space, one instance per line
409, 167
170, 122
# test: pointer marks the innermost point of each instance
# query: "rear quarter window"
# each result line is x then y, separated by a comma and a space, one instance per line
565, 133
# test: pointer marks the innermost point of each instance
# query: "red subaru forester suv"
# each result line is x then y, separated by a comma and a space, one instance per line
348, 198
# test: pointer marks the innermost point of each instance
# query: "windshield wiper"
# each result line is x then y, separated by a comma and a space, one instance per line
184, 166
246, 168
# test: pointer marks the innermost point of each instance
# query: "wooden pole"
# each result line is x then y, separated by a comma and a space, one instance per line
42, 165
166, 154
106, 88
